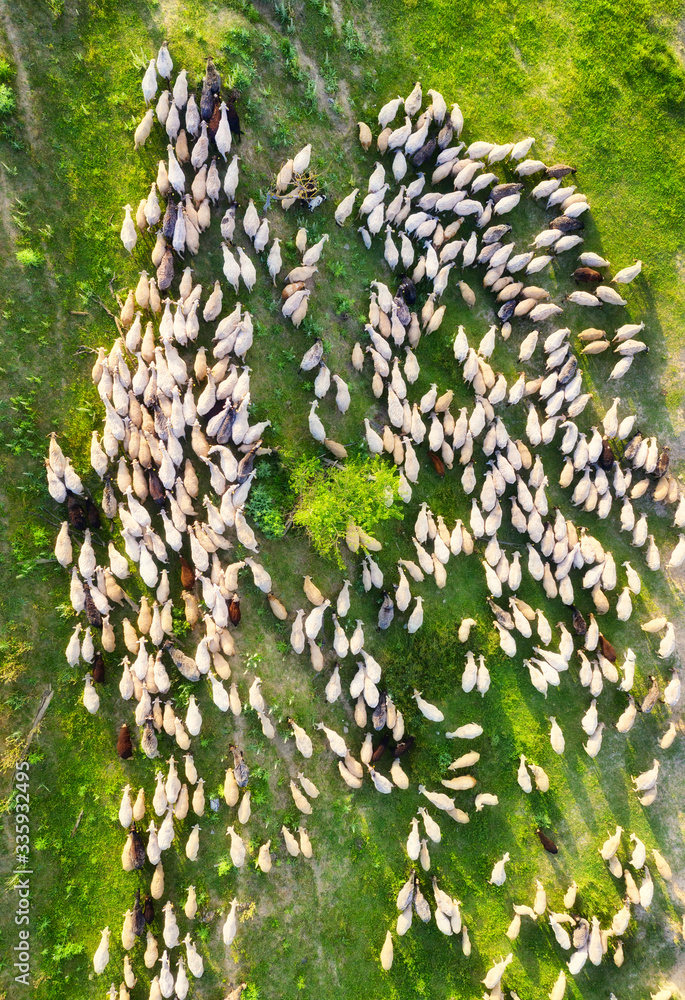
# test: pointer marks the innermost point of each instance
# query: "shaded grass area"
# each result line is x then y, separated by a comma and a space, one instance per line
599, 88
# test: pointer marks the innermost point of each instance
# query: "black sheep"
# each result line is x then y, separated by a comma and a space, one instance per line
407, 289
386, 612
405, 746
165, 271
607, 649
233, 119
504, 190
606, 459
212, 80
565, 224
380, 713
207, 101
137, 916
579, 623
586, 274
187, 574
137, 848
75, 513
92, 614
92, 514
559, 170
169, 220
109, 500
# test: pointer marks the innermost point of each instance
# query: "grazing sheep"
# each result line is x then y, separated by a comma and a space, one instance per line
499, 875
101, 956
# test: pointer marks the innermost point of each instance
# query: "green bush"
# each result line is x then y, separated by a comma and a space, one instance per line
265, 513
29, 257
363, 491
5, 71
7, 101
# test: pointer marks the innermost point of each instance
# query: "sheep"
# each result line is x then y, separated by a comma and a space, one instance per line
129, 233
335, 741
193, 843
291, 844
101, 956
430, 712
499, 875
645, 781
91, 699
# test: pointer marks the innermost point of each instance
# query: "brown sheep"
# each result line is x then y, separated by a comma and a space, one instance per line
586, 274
559, 170
607, 649
187, 574
124, 745
234, 610
548, 844
156, 489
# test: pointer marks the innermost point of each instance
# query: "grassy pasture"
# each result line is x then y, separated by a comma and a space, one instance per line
600, 87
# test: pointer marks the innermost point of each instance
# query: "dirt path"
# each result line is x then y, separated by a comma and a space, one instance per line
23, 87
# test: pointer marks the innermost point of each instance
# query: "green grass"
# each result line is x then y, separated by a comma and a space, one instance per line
601, 88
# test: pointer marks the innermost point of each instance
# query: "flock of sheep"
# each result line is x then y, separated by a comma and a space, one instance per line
175, 418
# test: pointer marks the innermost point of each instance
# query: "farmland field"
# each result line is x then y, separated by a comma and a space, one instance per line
601, 87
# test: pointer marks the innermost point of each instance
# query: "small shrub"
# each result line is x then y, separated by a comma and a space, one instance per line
291, 60
330, 76
181, 626
5, 71
285, 11
351, 40
7, 100
28, 257
68, 949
